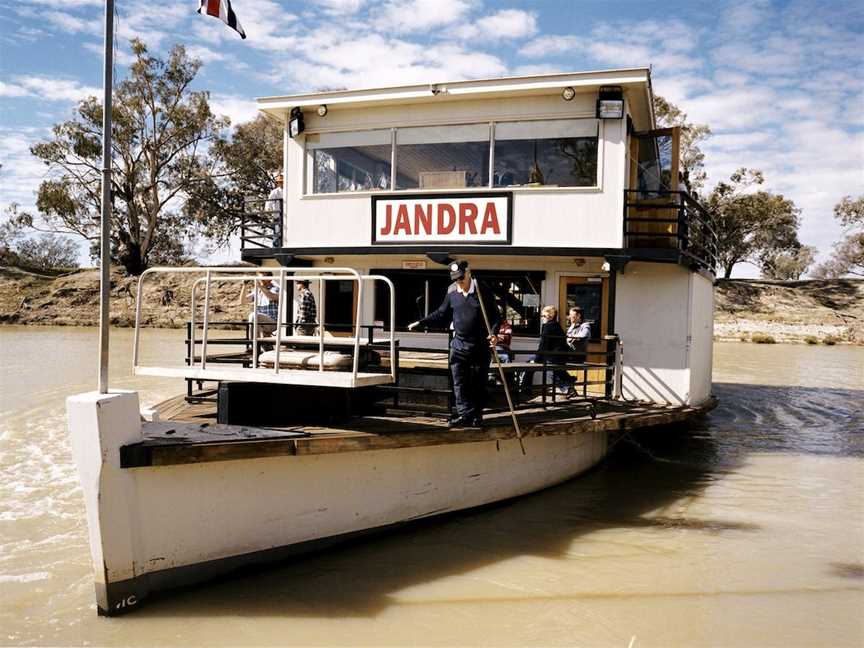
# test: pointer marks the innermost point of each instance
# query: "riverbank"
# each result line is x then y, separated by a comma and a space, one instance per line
73, 299
811, 312
814, 312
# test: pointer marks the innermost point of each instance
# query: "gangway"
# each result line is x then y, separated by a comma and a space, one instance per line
318, 374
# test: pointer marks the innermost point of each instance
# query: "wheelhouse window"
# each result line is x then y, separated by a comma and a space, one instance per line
541, 153
556, 153
345, 162
442, 157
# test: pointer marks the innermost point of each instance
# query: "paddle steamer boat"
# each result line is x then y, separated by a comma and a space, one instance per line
557, 189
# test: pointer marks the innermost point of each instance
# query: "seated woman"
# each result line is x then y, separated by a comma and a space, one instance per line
552, 341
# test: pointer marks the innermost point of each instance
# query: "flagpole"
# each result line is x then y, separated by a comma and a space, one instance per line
105, 226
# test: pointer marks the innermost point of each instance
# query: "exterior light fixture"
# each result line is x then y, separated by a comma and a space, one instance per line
295, 123
322, 110
610, 103
568, 93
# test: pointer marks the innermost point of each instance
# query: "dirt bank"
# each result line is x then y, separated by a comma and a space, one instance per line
73, 299
790, 311
787, 311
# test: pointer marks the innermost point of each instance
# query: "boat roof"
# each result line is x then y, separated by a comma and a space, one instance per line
636, 83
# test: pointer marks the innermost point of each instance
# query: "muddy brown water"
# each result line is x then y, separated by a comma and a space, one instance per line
744, 530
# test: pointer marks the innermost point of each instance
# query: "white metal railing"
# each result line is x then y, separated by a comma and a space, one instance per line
233, 274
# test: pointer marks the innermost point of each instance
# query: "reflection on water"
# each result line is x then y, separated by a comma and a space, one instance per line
746, 529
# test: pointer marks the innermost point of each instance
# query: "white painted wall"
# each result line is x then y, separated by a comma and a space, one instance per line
701, 337
652, 316
572, 217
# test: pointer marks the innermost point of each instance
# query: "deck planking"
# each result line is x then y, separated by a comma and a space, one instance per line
188, 433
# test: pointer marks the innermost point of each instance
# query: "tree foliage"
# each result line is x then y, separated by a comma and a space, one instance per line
848, 255
244, 165
691, 157
788, 265
751, 225
44, 252
161, 131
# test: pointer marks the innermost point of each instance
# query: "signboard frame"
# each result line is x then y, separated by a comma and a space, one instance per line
474, 195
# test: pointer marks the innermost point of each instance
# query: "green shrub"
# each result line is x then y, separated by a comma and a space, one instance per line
830, 340
744, 337
811, 339
762, 338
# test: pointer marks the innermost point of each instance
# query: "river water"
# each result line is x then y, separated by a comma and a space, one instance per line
745, 530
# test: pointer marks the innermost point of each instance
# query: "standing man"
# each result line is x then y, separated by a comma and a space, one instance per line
273, 209
470, 351
265, 295
307, 311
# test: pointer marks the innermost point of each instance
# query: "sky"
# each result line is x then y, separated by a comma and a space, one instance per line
781, 84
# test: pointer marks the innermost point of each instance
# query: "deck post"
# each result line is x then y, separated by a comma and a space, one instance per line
321, 324
619, 369
358, 316
206, 321
255, 323
279, 318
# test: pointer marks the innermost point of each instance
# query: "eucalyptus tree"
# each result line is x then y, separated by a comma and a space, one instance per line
163, 131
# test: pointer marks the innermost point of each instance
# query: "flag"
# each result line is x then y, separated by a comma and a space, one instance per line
222, 9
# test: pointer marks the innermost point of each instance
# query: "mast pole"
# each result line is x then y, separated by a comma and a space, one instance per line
105, 226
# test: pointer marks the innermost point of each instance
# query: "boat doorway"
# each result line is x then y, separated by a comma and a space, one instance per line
340, 308
654, 182
592, 295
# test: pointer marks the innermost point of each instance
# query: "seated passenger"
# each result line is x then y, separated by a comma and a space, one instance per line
552, 341
578, 333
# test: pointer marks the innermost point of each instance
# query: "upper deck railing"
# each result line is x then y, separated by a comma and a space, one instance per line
670, 220
261, 223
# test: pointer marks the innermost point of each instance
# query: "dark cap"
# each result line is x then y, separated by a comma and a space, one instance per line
457, 269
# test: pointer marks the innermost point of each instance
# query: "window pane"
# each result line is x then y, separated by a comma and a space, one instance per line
442, 157
655, 163
350, 161
557, 153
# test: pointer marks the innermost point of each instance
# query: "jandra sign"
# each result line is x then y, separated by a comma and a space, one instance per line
454, 218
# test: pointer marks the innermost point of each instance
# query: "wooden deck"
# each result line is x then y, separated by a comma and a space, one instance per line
188, 432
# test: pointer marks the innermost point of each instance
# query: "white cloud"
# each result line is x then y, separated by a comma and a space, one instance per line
47, 88
400, 16
667, 45
509, 23
238, 109
551, 46
71, 23
340, 7
21, 173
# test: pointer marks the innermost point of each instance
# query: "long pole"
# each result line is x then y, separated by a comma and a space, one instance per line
501, 372
105, 229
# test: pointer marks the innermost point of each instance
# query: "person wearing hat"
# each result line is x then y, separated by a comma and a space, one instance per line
470, 351
273, 209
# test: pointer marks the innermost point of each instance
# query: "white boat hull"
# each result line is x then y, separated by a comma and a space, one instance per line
157, 527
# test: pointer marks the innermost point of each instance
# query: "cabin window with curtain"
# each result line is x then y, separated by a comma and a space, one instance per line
551, 153
346, 162
442, 157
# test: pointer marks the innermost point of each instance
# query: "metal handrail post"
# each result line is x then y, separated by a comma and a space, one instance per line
279, 318
255, 322
135, 340
357, 328
206, 321
321, 321
192, 326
